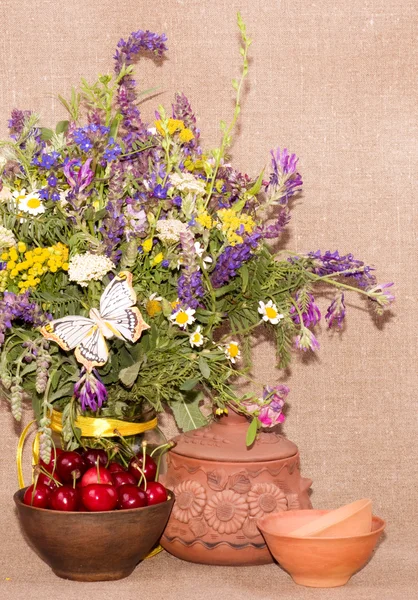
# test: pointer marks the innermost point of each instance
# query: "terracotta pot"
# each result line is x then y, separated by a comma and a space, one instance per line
222, 488
317, 561
352, 519
87, 546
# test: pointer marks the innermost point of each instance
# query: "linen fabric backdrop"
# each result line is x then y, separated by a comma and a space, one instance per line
335, 82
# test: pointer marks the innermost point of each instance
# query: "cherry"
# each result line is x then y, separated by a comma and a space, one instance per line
131, 496
64, 498
99, 497
123, 478
50, 483
70, 465
50, 466
91, 476
115, 467
156, 493
136, 466
37, 496
91, 455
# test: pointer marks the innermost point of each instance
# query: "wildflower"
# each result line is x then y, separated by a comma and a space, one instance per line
234, 225
232, 258
90, 390
183, 317
204, 219
269, 312
380, 294
207, 260
306, 340
187, 183
153, 305
158, 258
28, 203
87, 267
186, 135
172, 125
196, 338
78, 175
169, 230
147, 245
7, 237
311, 314
336, 311
232, 351
274, 399
285, 181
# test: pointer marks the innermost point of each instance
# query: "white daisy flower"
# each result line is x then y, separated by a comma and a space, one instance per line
28, 203
87, 267
196, 338
183, 317
199, 251
270, 312
232, 351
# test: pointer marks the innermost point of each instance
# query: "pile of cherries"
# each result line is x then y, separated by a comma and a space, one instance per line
86, 480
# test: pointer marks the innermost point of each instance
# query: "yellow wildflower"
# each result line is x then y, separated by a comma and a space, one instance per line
173, 125
13, 254
186, 135
21, 246
5, 256
204, 219
147, 245
233, 223
157, 259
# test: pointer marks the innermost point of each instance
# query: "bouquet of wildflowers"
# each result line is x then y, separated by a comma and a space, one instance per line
135, 264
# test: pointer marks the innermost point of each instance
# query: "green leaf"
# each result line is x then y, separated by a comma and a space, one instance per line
189, 384
254, 190
204, 368
128, 375
187, 414
245, 277
46, 134
252, 432
62, 127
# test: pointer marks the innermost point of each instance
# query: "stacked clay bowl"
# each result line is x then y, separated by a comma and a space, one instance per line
321, 548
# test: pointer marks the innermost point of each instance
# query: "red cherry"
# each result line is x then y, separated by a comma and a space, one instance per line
156, 493
115, 467
99, 497
64, 498
50, 483
91, 455
123, 478
131, 496
70, 465
149, 469
37, 497
50, 466
90, 476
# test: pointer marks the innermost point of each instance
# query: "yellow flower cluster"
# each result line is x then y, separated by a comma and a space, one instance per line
25, 267
176, 126
204, 219
233, 223
195, 165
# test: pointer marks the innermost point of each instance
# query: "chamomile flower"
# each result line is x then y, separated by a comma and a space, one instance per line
153, 305
207, 260
196, 338
28, 203
183, 317
270, 312
232, 351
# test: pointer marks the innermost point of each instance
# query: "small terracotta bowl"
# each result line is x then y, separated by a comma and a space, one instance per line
317, 561
351, 519
88, 546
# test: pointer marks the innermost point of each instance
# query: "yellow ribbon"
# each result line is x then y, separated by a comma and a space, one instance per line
89, 426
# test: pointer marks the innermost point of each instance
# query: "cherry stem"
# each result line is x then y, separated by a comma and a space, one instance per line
98, 469
164, 448
40, 469
74, 474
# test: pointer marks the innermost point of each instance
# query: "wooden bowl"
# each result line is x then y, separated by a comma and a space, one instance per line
317, 561
88, 546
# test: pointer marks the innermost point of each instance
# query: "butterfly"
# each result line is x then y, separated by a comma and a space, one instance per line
117, 317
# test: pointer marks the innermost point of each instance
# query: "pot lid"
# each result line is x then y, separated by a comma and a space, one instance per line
224, 440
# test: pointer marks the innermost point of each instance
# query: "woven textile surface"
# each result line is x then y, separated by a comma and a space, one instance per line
335, 82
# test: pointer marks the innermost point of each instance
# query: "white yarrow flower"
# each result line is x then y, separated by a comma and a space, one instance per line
187, 183
7, 239
169, 230
196, 338
88, 267
270, 312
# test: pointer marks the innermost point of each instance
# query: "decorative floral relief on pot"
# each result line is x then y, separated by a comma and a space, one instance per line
226, 511
191, 499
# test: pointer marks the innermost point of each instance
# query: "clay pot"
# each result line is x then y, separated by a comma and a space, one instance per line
87, 546
317, 561
222, 488
352, 519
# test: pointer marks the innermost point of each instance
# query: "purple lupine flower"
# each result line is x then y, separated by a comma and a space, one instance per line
90, 390
78, 175
190, 289
232, 258
336, 311
347, 266
19, 307
310, 316
285, 181
273, 231
17, 122
306, 340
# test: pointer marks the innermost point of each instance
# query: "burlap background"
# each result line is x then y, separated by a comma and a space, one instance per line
335, 82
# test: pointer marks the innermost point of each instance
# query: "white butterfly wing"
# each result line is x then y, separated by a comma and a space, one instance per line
68, 332
118, 295
92, 351
127, 323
